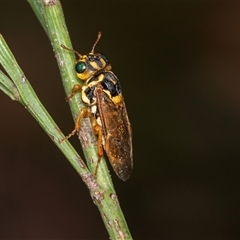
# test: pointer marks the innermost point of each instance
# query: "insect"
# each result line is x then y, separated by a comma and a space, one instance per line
105, 106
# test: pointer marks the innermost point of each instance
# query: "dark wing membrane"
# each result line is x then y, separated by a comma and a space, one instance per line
117, 134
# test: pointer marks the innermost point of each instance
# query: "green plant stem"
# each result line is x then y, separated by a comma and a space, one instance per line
7, 86
57, 33
101, 188
19, 89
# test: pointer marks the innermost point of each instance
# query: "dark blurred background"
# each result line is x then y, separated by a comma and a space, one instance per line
179, 66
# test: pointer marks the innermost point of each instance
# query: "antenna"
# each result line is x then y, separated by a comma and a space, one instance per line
94, 45
72, 50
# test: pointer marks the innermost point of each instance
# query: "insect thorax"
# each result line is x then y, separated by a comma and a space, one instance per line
109, 83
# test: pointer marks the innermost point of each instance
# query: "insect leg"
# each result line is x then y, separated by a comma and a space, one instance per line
83, 113
97, 129
76, 88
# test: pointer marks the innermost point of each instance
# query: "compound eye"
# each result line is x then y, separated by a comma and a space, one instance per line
80, 67
104, 58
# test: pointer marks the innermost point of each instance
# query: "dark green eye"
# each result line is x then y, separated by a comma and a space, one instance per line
80, 67
104, 58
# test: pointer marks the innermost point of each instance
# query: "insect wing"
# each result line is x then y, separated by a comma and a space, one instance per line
117, 134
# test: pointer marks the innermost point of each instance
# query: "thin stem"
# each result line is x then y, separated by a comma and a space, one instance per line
56, 30
101, 188
7, 86
20, 89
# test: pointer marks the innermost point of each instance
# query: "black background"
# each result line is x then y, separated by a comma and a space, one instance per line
179, 67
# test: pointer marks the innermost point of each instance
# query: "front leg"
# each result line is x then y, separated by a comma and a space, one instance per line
76, 88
